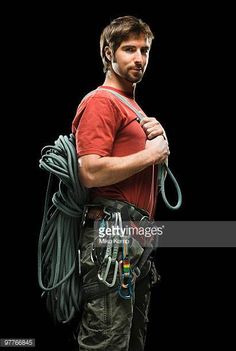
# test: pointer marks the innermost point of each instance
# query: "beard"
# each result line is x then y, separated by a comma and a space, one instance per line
134, 76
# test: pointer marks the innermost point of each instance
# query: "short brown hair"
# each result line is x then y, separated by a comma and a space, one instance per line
119, 30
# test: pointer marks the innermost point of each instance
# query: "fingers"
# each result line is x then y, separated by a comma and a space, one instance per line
154, 132
148, 120
151, 127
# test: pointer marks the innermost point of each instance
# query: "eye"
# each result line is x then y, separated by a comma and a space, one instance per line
145, 51
129, 49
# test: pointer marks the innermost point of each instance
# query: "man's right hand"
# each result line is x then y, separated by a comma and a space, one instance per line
159, 148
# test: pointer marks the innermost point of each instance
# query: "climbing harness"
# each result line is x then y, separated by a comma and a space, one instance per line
122, 250
116, 259
65, 212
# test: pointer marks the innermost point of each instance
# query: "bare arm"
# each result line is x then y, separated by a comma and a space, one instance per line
97, 171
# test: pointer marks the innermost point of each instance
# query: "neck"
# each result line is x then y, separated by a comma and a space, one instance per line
117, 82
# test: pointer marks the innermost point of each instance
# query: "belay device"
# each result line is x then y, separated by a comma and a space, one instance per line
58, 251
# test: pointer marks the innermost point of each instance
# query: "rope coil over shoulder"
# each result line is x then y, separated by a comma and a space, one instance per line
59, 234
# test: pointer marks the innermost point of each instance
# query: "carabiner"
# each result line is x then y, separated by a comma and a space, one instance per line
103, 275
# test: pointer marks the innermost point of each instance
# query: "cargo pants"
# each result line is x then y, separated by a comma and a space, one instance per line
109, 322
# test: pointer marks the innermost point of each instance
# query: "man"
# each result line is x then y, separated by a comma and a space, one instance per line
117, 158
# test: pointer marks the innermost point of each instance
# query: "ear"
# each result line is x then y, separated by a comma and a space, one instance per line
108, 52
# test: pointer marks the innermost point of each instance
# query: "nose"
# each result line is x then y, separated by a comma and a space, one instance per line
138, 57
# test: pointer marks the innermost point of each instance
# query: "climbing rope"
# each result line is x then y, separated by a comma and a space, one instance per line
58, 271
162, 169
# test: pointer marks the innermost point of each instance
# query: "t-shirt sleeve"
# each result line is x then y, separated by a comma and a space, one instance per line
97, 128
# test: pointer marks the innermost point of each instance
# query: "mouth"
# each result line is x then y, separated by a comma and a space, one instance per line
136, 69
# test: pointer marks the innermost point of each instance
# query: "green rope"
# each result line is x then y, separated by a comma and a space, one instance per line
162, 169
58, 272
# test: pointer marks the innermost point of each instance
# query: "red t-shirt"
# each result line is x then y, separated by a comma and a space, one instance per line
105, 126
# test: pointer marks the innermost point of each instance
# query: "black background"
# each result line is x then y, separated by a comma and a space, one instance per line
51, 60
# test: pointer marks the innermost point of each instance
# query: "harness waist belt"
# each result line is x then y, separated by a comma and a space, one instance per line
129, 211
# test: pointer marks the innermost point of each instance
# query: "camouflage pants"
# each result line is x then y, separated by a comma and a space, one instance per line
111, 323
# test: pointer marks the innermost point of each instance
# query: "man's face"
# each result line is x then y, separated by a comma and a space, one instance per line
131, 58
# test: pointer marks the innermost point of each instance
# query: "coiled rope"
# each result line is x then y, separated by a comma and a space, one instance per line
58, 271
